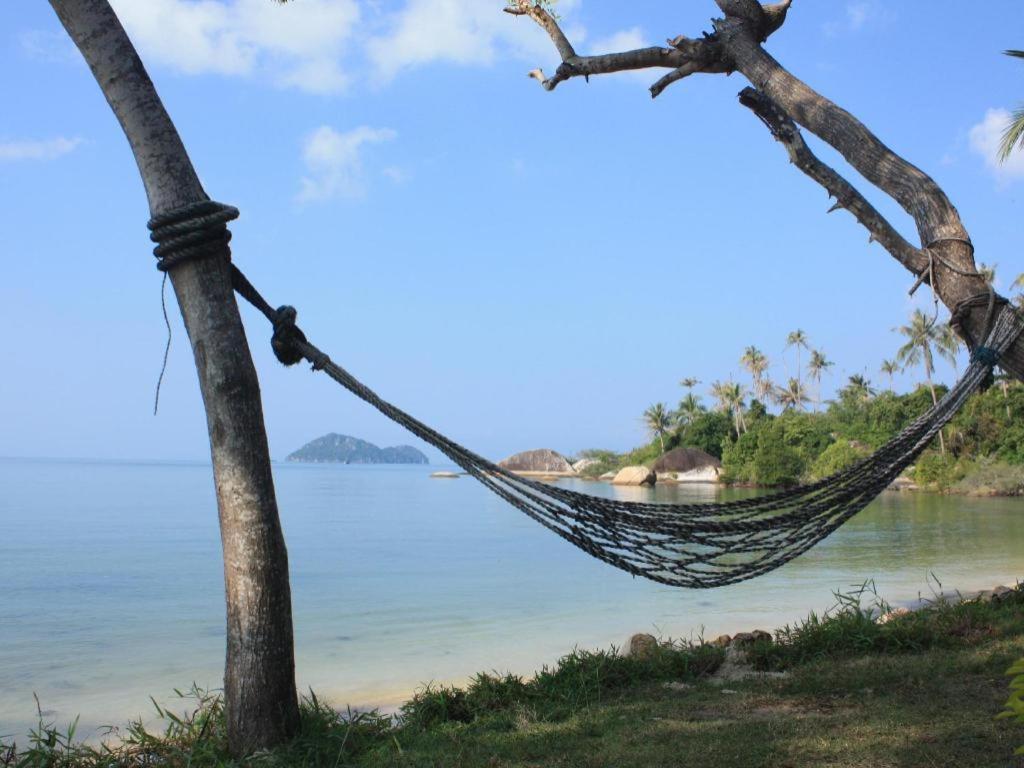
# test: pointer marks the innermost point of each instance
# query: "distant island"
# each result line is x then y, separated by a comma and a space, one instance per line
343, 449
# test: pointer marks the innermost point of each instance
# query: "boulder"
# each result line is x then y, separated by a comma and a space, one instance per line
608, 476
641, 646
895, 613
686, 460
722, 641
1002, 594
584, 464
543, 461
702, 475
634, 476
748, 638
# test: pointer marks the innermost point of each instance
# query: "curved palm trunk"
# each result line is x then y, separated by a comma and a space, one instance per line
259, 676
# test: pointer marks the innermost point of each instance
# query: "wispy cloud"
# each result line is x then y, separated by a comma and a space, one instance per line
298, 45
856, 16
334, 164
468, 32
45, 149
48, 45
985, 138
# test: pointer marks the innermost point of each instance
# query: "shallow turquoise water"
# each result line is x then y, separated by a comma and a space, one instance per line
112, 590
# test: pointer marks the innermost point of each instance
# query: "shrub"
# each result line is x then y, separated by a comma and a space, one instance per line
939, 471
841, 455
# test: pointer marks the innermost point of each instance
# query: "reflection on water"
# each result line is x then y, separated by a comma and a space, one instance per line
112, 584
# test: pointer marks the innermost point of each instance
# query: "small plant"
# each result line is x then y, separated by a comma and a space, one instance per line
1014, 707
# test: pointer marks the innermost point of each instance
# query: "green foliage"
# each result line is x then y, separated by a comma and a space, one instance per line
933, 470
197, 737
776, 461
607, 461
852, 628
579, 680
776, 450
1014, 707
989, 477
709, 431
842, 454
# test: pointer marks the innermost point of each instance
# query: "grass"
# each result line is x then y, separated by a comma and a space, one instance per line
922, 689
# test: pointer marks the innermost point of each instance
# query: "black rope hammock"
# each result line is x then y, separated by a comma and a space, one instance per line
685, 545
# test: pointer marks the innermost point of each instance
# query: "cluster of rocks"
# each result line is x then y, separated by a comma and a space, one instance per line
680, 465
735, 666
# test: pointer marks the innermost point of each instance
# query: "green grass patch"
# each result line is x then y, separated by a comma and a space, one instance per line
920, 689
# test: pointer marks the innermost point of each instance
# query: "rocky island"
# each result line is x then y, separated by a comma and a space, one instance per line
344, 449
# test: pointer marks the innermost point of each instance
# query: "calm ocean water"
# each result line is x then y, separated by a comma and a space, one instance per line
111, 587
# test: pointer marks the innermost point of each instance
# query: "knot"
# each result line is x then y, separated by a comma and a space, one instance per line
991, 301
986, 356
194, 231
287, 338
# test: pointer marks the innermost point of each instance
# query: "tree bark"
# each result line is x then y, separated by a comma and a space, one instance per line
259, 676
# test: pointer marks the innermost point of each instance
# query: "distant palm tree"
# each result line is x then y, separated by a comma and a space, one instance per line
797, 339
756, 362
890, 368
948, 345
1013, 137
731, 399
689, 382
859, 388
658, 420
817, 366
690, 407
793, 396
922, 333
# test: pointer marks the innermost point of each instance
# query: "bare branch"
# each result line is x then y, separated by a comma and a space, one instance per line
788, 134
684, 56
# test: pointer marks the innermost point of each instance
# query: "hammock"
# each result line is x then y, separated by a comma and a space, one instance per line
685, 545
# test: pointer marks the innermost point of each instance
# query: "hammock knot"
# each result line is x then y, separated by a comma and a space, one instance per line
986, 356
194, 231
287, 340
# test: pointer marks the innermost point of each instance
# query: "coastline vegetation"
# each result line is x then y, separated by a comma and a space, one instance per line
860, 685
769, 435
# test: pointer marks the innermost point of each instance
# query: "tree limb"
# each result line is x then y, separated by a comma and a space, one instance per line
735, 45
683, 56
788, 134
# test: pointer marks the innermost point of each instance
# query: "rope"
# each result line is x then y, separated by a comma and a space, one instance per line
687, 545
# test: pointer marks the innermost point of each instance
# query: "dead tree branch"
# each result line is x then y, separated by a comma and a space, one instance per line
783, 101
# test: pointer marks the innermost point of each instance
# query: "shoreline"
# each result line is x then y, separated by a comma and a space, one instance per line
389, 700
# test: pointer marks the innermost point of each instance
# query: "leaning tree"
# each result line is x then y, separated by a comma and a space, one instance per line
783, 102
259, 677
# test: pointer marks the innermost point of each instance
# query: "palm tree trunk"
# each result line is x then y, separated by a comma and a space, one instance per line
935, 401
259, 675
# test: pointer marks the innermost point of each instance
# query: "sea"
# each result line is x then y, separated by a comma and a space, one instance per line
111, 586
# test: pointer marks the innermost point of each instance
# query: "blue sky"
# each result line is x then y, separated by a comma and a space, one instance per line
517, 268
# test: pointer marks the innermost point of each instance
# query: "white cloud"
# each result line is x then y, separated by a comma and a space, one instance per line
294, 45
333, 161
458, 32
985, 138
49, 149
397, 174
857, 14
623, 40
